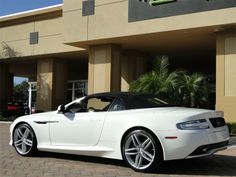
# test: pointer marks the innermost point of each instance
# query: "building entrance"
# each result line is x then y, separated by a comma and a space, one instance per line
76, 89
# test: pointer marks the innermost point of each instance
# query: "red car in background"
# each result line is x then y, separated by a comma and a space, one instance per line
16, 108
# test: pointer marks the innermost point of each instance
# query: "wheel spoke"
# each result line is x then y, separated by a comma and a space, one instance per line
131, 151
138, 161
28, 142
19, 133
23, 147
18, 142
135, 140
148, 156
26, 133
146, 143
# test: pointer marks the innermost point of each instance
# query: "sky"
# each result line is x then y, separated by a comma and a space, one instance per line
18, 80
13, 6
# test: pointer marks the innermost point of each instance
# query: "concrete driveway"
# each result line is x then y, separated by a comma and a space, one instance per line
61, 165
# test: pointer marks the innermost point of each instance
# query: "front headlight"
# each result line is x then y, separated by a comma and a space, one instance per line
193, 125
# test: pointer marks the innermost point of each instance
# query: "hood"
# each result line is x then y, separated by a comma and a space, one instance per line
29, 118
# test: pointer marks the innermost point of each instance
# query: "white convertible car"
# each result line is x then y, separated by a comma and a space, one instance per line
138, 128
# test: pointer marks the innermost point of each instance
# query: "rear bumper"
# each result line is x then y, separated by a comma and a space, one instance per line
208, 149
193, 143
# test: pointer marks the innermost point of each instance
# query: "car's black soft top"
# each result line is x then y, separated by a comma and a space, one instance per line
133, 100
119, 94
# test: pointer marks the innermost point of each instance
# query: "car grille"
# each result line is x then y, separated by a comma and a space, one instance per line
217, 122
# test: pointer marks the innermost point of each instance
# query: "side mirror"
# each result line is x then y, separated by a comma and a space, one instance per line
61, 109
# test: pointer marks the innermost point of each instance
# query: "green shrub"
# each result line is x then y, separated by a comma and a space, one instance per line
232, 128
6, 118
1, 117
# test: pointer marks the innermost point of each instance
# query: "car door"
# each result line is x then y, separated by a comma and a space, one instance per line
81, 124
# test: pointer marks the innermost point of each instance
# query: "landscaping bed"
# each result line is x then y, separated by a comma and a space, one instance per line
232, 129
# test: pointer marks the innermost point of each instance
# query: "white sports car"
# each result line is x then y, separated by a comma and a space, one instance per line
138, 128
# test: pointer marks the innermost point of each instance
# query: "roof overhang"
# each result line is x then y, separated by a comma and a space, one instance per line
31, 15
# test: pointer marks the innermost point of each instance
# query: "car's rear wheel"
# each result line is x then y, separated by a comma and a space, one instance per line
24, 140
141, 151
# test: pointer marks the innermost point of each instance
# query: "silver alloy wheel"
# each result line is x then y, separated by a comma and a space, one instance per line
139, 150
23, 139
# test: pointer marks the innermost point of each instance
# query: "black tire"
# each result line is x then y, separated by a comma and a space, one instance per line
24, 140
141, 151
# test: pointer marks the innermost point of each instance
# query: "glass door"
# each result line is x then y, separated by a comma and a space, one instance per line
76, 89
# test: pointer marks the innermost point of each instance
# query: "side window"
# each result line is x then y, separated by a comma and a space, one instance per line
99, 104
118, 105
76, 107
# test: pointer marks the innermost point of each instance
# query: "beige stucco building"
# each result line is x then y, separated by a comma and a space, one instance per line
107, 44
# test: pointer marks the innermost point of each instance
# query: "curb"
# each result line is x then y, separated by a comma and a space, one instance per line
5, 122
231, 147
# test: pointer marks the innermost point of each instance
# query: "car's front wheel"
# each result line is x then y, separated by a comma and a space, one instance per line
24, 140
141, 151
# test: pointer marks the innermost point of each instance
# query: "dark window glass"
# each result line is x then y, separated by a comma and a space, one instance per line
144, 101
76, 107
118, 105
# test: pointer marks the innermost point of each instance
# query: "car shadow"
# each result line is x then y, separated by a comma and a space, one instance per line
216, 165
80, 158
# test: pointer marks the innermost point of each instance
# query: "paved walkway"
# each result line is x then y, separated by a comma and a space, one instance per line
60, 165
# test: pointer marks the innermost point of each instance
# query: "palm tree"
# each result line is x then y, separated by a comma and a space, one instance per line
159, 81
193, 90
177, 86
